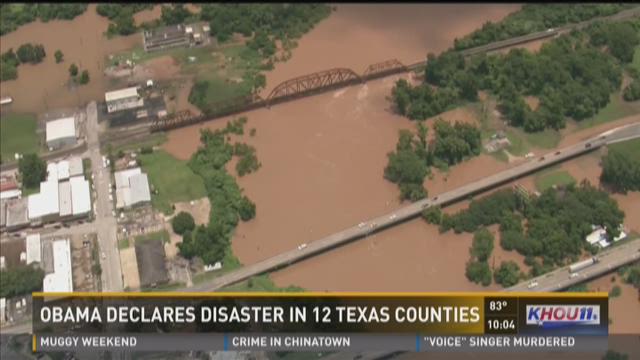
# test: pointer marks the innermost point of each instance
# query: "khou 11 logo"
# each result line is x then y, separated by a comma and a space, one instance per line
563, 315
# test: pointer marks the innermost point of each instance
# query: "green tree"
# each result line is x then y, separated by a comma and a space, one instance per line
182, 222
59, 56
632, 91
21, 280
32, 170
478, 272
174, 14
615, 291
84, 77
620, 171
30, 53
482, 245
246, 209
508, 274
432, 215
614, 355
73, 70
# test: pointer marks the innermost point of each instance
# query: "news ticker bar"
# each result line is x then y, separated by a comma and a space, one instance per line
429, 314
325, 342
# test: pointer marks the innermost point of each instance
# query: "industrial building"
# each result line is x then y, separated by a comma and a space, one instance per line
132, 188
175, 36
61, 280
62, 196
123, 99
61, 132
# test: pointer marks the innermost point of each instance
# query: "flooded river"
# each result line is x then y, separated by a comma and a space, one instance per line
323, 157
46, 85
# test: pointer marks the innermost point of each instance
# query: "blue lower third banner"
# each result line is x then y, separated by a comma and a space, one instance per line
317, 342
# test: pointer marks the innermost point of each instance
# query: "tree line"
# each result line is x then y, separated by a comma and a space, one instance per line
26, 54
211, 242
21, 280
573, 76
551, 227
121, 16
13, 16
410, 163
621, 170
532, 18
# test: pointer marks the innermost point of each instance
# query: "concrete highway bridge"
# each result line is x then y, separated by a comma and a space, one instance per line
332, 79
410, 211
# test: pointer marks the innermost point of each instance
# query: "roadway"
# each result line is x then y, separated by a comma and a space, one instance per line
405, 213
561, 279
105, 222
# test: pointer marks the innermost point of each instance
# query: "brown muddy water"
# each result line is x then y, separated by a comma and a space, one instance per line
357, 35
46, 85
323, 159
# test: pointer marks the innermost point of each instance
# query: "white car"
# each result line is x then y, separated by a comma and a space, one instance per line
393, 217
532, 284
574, 275
104, 256
302, 246
361, 225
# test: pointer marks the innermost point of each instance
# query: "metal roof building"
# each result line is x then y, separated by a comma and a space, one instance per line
123, 99
122, 177
61, 279
64, 196
80, 195
61, 132
46, 203
34, 249
132, 187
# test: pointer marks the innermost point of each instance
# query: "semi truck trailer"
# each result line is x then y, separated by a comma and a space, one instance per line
582, 264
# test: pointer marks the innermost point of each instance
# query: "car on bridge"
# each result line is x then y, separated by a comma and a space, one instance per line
532, 284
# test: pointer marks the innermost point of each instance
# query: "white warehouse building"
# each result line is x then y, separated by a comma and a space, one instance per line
123, 99
61, 132
132, 188
61, 280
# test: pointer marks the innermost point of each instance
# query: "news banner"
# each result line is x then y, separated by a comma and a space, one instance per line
421, 322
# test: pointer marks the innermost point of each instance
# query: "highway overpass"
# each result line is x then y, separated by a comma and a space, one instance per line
561, 279
410, 211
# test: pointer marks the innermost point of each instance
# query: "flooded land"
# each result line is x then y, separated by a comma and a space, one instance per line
47, 85
323, 156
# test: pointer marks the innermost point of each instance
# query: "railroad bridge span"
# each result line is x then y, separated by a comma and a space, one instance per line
327, 80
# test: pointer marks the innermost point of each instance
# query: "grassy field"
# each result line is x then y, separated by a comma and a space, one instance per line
152, 140
229, 263
162, 235
616, 109
554, 177
629, 147
18, 135
522, 142
172, 179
